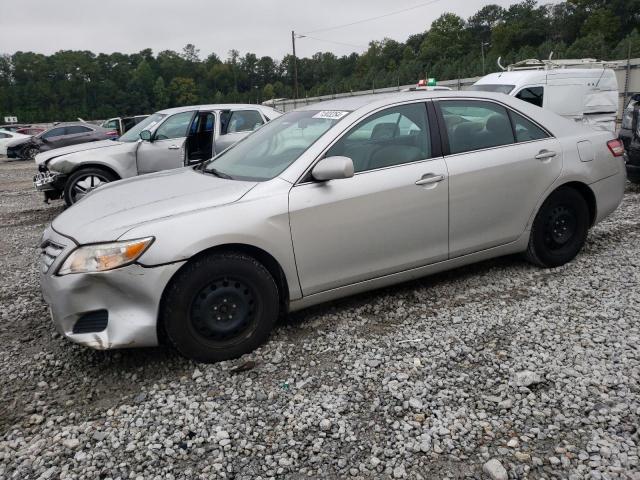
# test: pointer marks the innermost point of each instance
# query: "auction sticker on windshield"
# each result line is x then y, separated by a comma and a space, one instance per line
330, 114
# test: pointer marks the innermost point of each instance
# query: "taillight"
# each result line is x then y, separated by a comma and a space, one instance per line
616, 147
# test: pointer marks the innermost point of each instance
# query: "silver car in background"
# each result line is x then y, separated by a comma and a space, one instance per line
167, 139
326, 201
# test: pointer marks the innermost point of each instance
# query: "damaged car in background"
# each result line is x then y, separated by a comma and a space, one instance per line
60, 135
167, 139
326, 201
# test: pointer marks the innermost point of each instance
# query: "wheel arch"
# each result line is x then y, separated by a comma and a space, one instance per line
261, 255
96, 165
585, 191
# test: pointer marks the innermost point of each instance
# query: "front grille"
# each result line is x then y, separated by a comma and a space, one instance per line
49, 251
92, 322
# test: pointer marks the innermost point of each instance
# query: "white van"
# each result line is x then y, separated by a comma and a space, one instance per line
585, 91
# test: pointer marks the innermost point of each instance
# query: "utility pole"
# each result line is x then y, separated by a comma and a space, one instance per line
482, 45
295, 66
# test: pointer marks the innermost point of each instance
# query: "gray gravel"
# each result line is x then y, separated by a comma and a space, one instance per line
499, 369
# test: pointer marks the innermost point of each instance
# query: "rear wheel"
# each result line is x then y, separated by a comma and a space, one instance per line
559, 229
220, 307
83, 181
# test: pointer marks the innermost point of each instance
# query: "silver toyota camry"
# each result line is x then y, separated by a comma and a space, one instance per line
326, 201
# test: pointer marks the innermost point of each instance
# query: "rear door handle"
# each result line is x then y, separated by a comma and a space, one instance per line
174, 147
544, 154
429, 178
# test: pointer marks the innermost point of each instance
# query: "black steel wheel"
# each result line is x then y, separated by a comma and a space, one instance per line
81, 182
559, 229
219, 307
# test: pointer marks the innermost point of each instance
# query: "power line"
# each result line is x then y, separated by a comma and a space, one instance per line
431, 2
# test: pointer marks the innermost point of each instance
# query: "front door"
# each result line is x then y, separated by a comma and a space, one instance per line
391, 216
166, 148
500, 164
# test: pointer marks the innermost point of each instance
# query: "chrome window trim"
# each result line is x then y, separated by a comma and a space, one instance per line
352, 124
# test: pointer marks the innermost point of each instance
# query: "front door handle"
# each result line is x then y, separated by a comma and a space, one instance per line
174, 147
430, 178
545, 154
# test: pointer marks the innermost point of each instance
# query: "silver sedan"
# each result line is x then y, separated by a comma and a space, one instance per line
326, 201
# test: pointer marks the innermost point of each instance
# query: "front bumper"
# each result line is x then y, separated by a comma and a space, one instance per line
130, 296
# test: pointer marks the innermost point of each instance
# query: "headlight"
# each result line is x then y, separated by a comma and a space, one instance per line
104, 256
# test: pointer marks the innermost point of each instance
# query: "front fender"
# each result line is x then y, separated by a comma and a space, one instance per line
122, 161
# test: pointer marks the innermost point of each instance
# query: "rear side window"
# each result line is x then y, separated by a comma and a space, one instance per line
74, 129
474, 125
533, 95
391, 137
526, 130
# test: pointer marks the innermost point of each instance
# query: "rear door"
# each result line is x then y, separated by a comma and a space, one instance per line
75, 134
500, 164
237, 124
166, 148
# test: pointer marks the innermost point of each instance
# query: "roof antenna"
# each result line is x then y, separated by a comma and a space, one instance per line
500, 65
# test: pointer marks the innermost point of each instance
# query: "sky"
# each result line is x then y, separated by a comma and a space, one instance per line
262, 27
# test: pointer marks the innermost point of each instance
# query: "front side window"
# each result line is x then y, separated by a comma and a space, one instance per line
174, 127
75, 129
148, 123
526, 130
533, 95
110, 124
391, 137
241, 121
474, 125
267, 152
54, 132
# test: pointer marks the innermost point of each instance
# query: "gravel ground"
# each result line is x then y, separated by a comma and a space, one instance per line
498, 370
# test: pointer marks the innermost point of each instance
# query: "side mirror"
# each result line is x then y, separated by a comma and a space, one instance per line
145, 135
333, 168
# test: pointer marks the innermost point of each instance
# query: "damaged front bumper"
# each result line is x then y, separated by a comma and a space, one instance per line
49, 183
113, 309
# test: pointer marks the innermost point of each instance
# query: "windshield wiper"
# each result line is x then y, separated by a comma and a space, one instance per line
217, 173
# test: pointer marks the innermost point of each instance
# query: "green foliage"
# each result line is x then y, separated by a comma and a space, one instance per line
71, 84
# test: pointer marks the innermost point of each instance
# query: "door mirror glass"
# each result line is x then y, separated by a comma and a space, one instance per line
333, 168
145, 135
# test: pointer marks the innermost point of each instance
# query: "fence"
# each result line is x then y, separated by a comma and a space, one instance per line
628, 76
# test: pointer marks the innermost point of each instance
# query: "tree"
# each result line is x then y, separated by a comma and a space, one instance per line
190, 53
160, 94
183, 91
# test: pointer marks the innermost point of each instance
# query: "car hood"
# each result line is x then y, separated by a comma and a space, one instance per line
16, 142
113, 209
81, 147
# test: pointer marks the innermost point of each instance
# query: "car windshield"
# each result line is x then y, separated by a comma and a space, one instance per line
493, 88
133, 135
266, 153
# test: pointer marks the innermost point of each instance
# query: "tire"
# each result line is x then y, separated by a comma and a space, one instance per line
232, 285
83, 181
559, 229
29, 152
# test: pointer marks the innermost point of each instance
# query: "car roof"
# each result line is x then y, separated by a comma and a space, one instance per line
352, 103
215, 106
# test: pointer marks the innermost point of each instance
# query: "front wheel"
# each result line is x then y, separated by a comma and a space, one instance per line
83, 181
220, 307
559, 230
29, 152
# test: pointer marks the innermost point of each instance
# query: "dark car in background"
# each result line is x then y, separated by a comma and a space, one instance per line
60, 135
630, 136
